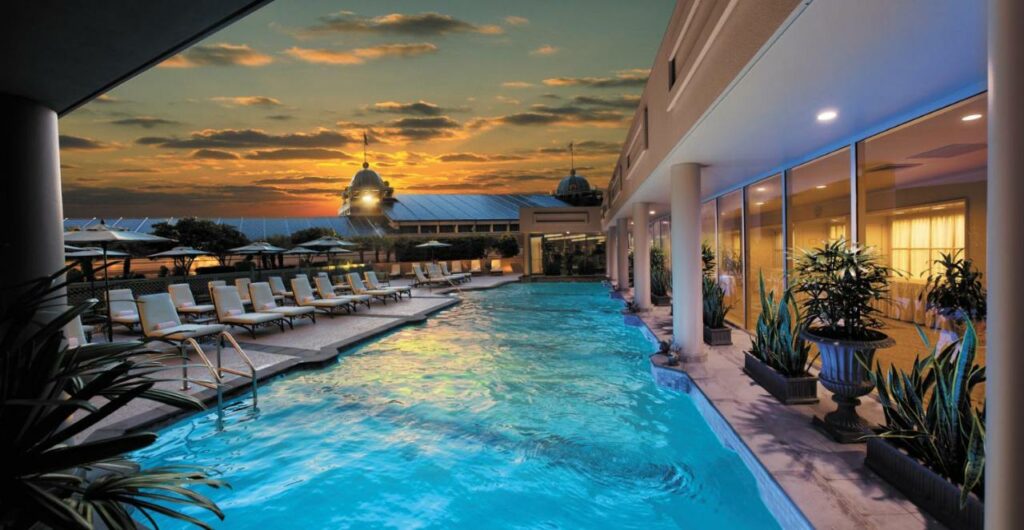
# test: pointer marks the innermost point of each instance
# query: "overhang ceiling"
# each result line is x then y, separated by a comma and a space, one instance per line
876, 61
64, 53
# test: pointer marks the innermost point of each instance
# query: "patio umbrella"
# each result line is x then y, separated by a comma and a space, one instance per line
69, 248
104, 235
432, 244
89, 254
328, 245
303, 253
259, 249
183, 255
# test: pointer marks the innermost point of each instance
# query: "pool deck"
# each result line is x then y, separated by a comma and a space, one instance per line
275, 353
826, 480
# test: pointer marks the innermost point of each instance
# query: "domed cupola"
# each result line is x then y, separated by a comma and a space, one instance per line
572, 185
575, 189
365, 193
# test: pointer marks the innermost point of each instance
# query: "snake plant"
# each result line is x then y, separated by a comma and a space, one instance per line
778, 343
930, 411
50, 394
714, 303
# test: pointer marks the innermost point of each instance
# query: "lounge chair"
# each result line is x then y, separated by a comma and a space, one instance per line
458, 276
373, 283
211, 285
277, 287
475, 267
185, 303
230, 311
263, 301
242, 286
422, 279
159, 320
327, 290
304, 298
326, 277
396, 271
496, 267
359, 288
74, 333
457, 268
412, 269
434, 273
122, 308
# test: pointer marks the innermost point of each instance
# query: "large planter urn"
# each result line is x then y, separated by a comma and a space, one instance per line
844, 372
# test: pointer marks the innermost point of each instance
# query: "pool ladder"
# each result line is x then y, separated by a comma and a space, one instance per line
216, 381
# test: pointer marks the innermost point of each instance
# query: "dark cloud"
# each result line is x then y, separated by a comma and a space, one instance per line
154, 200
416, 108
298, 154
619, 102
249, 138
281, 117
624, 78
595, 147
146, 122
475, 157
81, 143
422, 24
549, 115
214, 154
129, 171
422, 128
221, 54
309, 179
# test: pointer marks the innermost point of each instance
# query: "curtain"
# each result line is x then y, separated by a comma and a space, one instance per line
918, 241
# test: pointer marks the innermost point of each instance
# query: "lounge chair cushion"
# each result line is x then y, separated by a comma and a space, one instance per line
165, 325
267, 306
234, 312
72, 342
253, 318
187, 304
206, 308
125, 314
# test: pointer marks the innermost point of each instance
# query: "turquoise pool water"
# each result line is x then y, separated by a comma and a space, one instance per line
528, 406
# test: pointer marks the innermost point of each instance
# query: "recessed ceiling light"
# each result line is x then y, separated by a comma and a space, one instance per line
758, 204
759, 188
971, 117
651, 212
820, 186
828, 115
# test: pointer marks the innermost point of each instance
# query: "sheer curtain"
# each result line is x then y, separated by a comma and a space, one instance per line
918, 241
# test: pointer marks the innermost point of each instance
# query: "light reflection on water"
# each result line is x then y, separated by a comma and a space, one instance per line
529, 406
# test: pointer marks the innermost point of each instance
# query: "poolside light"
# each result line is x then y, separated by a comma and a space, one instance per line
651, 212
820, 187
828, 115
971, 117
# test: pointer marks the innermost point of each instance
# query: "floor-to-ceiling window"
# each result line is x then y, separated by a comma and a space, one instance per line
819, 201
730, 253
764, 242
708, 224
921, 193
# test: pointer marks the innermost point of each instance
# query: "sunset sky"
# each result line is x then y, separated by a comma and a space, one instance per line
266, 117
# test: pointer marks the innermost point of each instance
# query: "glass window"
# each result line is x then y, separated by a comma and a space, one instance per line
730, 253
764, 242
707, 226
922, 189
819, 201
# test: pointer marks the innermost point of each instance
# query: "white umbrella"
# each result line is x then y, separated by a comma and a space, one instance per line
259, 248
104, 235
328, 245
303, 253
186, 254
432, 244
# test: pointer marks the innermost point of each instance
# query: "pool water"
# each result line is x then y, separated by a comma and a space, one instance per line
527, 406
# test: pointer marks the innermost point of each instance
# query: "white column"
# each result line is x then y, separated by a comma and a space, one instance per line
687, 313
622, 253
31, 208
527, 256
641, 256
1004, 478
611, 262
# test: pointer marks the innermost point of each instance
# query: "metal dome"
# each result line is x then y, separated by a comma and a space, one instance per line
367, 178
572, 185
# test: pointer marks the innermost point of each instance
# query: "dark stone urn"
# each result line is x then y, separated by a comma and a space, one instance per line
844, 372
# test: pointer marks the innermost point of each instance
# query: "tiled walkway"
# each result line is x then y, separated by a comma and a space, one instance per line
827, 480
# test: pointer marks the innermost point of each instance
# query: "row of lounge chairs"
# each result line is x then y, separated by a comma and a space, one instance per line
456, 268
437, 274
249, 305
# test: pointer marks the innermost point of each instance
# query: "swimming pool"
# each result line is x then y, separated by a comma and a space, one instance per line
527, 406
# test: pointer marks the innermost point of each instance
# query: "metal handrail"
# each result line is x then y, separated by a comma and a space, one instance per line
242, 355
217, 372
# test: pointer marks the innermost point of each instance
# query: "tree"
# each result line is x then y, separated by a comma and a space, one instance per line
309, 234
507, 246
202, 234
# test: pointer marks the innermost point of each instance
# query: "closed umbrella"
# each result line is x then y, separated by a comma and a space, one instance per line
303, 253
432, 244
328, 246
181, 255
259, 249
104, 235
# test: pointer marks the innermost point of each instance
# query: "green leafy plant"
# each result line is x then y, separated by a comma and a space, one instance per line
778, 343
50, 394
661, 277
714, 303
707, 260
930, 412
956, 291
840, 285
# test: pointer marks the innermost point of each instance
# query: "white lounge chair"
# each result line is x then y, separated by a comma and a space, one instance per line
263, 301
185, 303
412, 269
457, 268
74, 333
496, 267
328, 291
242, 286
434, 273
304, 298
358, 287
458, 276
211, 285
396, 271
475, 267
373, 283
122, 308
230, 311
277, 287
422, 279
159, 320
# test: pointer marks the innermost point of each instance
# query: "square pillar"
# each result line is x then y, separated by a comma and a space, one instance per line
641, 256
622, 253
610, 261
687, 311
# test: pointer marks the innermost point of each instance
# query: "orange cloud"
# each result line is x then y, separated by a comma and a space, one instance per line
546, 49
222, 54
360, 55
247, 101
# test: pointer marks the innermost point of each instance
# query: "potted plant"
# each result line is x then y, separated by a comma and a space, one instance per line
840, 285
716, 333
50, 392
661, 279
932, 446
779, 359
956, 294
